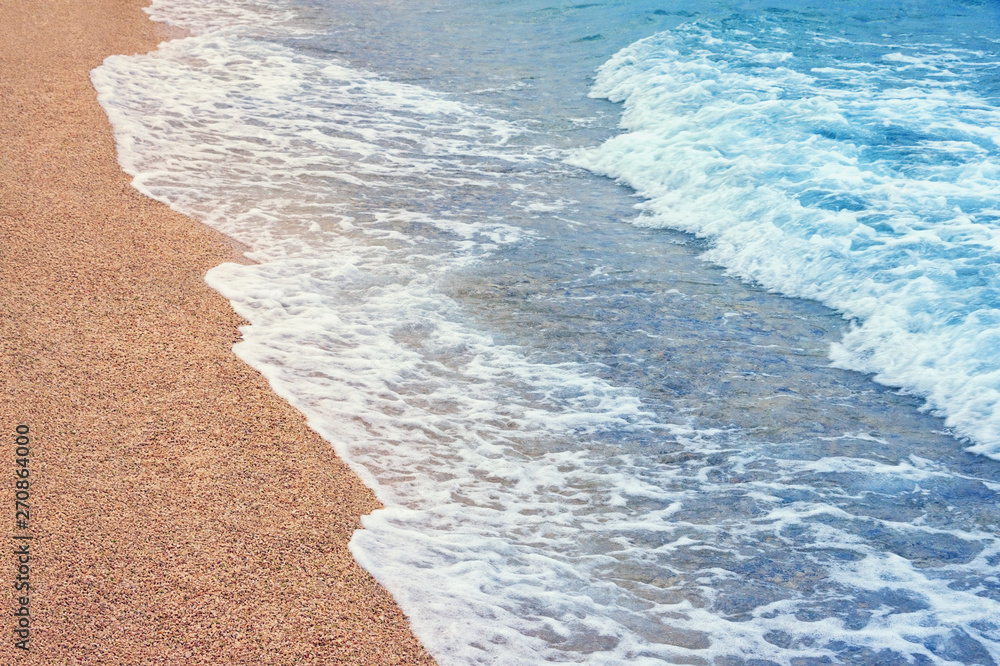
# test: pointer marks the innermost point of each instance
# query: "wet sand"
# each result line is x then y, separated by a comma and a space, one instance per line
180, 512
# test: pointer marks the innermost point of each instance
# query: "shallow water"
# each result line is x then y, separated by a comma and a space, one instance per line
593, 444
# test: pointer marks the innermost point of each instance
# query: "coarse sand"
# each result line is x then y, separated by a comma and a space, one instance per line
181, 513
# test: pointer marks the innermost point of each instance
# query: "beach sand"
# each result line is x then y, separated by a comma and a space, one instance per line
180, 511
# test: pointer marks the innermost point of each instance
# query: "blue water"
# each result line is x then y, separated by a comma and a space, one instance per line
667, 333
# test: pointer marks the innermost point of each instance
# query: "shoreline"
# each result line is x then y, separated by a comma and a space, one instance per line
181, 512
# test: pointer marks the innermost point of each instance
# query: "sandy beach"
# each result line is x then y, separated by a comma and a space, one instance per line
180, 512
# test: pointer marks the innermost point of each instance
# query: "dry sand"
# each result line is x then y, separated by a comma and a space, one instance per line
181, 512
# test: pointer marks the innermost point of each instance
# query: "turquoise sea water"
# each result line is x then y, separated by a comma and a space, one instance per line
666, 332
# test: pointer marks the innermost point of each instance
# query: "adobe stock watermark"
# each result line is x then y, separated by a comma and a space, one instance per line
22, 537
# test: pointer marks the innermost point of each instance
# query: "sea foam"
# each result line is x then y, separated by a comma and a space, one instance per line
870, 187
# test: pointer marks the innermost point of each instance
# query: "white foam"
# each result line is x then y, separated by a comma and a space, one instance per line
773, 165
236, 16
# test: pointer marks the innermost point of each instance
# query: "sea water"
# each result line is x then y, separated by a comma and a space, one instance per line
528, 266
